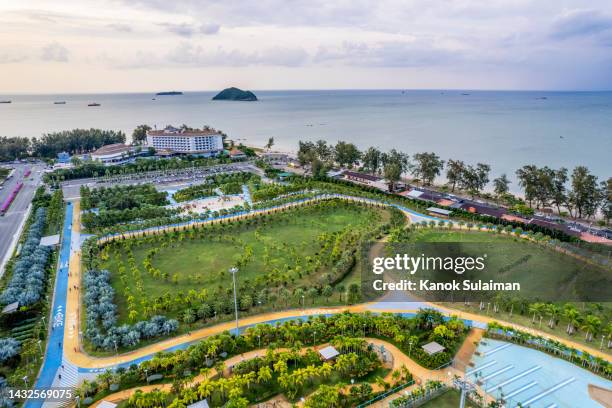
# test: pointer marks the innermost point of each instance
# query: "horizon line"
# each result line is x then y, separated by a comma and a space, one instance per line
313, 90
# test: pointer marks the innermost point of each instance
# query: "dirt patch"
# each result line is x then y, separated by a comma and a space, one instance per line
601, 395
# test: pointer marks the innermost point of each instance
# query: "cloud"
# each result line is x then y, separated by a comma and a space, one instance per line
188, 54
582, 23
7, 58
387, 54
122, 28
55, 52
188, 30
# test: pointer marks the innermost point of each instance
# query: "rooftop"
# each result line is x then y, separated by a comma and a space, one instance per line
199, 404
172, 131
362, 176
433, 348
50, 240
329, 352
112, 149
440, 211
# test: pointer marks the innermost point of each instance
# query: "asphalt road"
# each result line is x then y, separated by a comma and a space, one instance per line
10, 222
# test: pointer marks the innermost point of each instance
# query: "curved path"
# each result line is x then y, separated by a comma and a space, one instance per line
71, 353
399, 359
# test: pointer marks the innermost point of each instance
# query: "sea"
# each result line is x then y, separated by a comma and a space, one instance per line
506, 129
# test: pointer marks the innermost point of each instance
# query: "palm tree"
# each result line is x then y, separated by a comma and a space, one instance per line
591, 324
552, 311
573, 318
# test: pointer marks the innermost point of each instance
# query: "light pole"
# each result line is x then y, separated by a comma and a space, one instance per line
259, 338
233, 271
314, 340
409, 348
303, 302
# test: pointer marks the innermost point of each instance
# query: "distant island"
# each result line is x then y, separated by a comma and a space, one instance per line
169, 93
234, 94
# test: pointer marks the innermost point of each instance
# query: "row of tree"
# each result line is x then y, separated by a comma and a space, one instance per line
541, 186
76, 141
28, 278
101, 310
585, 196
120, 197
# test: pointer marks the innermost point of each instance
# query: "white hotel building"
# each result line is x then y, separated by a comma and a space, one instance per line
201, 142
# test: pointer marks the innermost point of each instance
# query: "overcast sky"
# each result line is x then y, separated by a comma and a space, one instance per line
150, 45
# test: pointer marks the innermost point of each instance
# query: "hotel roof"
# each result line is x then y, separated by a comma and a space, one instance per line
172, 131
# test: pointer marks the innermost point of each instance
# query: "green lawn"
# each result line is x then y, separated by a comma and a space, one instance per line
449, 399
281, 250
543, 273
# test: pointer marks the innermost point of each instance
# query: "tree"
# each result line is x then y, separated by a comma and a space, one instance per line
139, 135
585, 195
12, 148
559, 192
392, 173
270, 143
372, 160
606, 205
528, 180
427, 166
454, 172
346, 154
501, 185
189, 317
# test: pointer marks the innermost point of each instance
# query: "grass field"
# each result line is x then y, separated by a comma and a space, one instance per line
543, 273
449, 399
289, 243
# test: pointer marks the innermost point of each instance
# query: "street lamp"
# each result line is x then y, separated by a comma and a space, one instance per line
116, 349
233, 271
25, 380
314, 341
259, 338
409, 348
303, 302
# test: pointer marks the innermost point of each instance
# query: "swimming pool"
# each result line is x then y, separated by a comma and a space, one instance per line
532, 378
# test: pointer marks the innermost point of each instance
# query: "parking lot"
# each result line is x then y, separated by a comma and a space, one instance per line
162, 179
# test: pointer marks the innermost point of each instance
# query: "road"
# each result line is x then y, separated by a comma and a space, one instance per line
10, 223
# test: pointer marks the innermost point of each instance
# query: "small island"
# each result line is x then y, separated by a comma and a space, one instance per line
169, 93
234, 94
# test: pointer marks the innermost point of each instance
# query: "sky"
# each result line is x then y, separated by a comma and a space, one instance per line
66, 46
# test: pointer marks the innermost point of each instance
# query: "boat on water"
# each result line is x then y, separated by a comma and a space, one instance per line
93, 104
6, 101
168, 93
59, 102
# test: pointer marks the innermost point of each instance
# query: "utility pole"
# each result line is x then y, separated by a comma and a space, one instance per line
233, 271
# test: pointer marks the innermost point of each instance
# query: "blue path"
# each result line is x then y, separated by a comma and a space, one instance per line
54, 351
